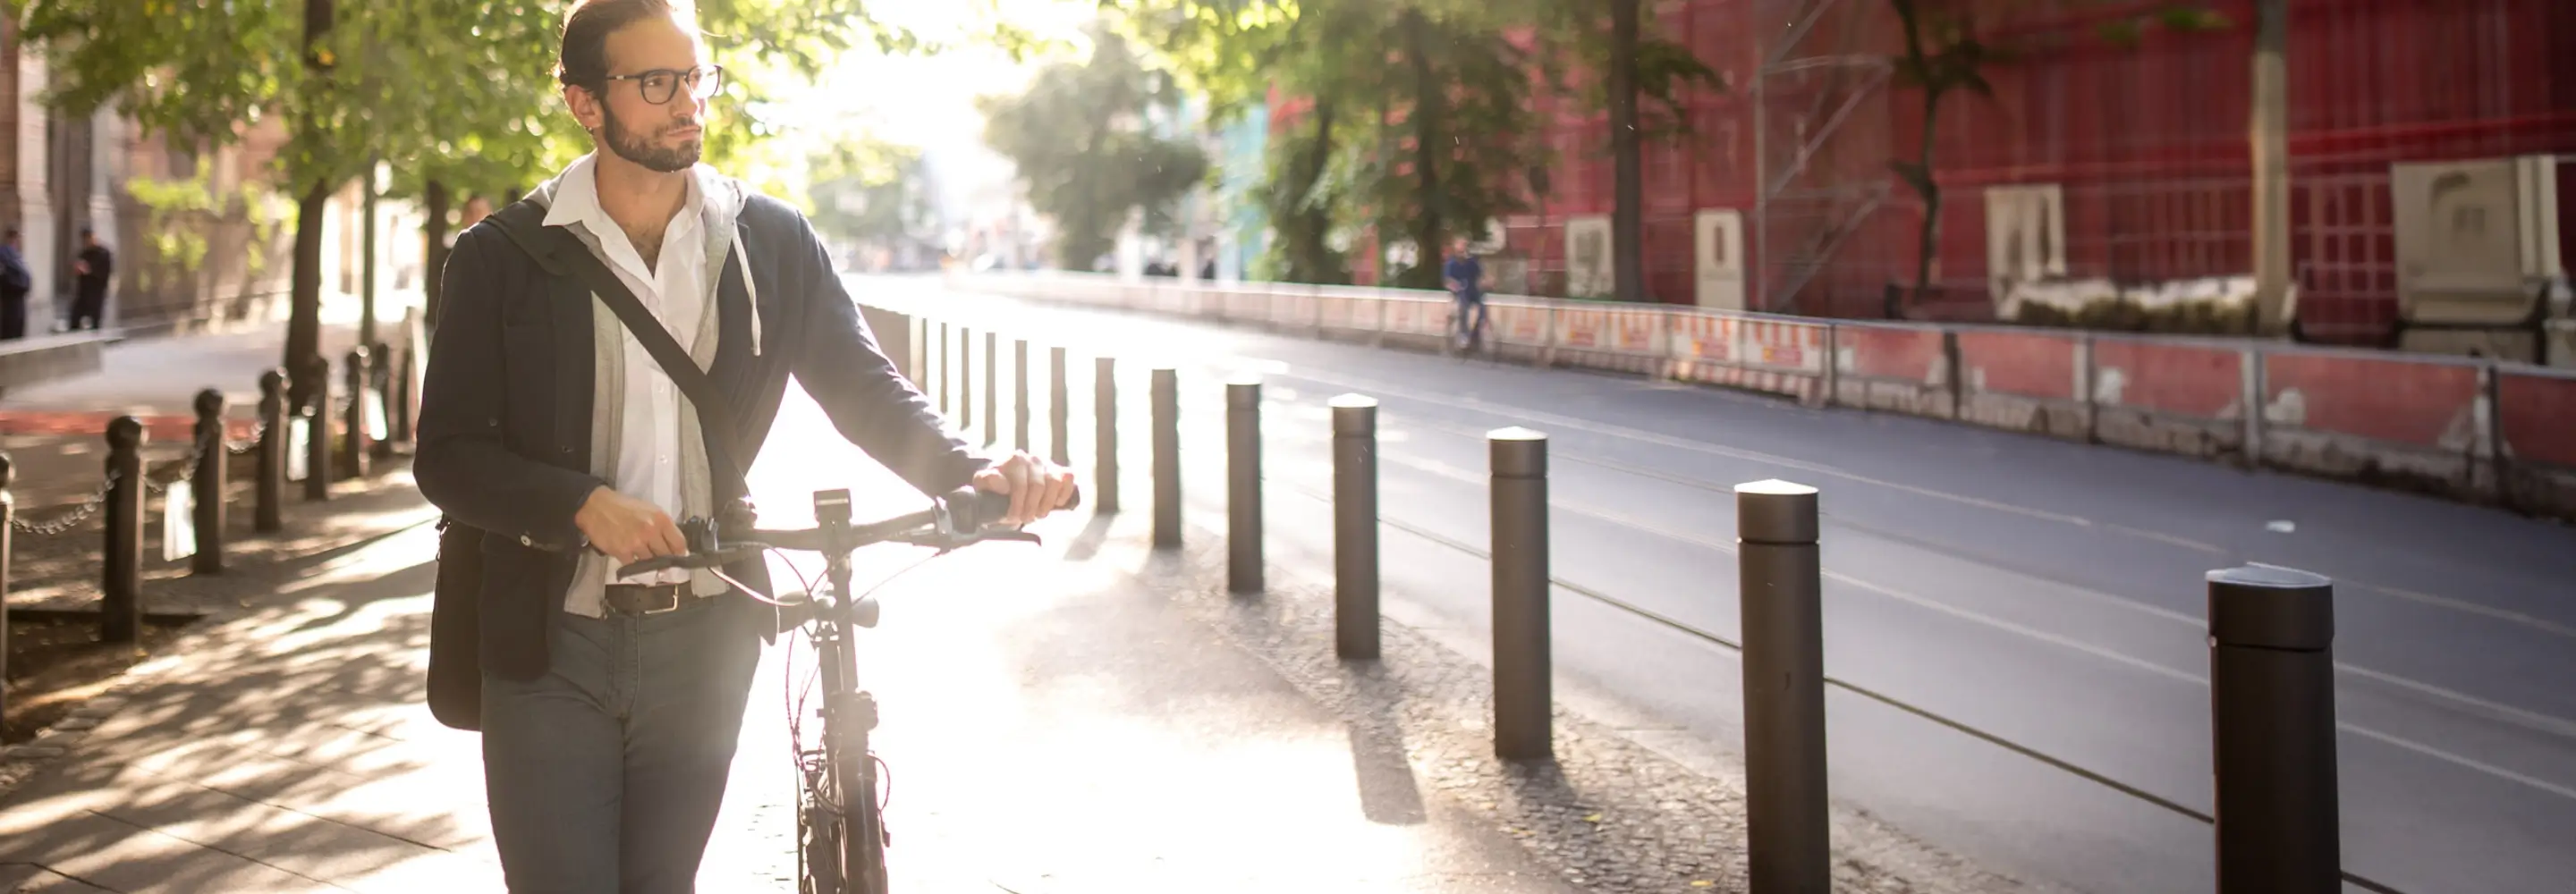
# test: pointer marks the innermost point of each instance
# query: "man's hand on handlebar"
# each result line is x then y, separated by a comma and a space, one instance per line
1036, 487
627, 529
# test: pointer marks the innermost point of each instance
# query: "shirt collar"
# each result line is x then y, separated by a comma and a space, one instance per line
576, 198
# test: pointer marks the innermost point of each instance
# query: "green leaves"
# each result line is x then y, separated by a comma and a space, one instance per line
1083, 138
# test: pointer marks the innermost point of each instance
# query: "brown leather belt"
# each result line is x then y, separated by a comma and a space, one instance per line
636, 599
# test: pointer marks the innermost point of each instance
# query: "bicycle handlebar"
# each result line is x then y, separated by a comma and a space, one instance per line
942, 525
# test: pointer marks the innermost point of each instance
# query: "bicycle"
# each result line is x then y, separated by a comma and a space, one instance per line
1470, 338
841, 844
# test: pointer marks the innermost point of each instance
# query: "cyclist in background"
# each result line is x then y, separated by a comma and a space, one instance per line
1465, 277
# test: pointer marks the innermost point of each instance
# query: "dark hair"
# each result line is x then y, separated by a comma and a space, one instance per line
11, 233
584, 59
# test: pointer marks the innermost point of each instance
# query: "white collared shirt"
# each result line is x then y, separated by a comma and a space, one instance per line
674, 290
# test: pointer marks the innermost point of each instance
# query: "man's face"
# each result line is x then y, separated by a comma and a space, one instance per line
663, 137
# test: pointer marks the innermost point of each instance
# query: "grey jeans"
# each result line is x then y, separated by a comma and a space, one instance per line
604, 775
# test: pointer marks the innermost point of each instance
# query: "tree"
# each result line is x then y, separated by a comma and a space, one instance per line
870, 191
1082, 139
1637, 67
1945, 51
1445, 87
453, 91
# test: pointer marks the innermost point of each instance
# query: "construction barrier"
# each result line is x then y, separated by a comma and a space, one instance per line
2470, 428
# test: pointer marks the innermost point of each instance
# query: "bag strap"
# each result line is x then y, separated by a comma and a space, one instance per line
565, 255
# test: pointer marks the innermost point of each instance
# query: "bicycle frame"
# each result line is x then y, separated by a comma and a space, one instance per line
840, 802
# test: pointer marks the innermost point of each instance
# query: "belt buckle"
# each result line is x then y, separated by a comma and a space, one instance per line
669, 600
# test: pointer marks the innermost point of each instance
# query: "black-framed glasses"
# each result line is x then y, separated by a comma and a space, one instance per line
659, 85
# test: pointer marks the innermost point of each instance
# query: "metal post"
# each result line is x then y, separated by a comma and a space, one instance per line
353, 446
8, 515
992, 388
1104, 416
1167, 458
398, 410
1059, 412
120, 606
1778, 596
1243, 485
317, 419
268, 514
947, 358
2271, 693
380, 382
1523, 693
916, 336
1020, 394
965, 380
209, 483
1355, 620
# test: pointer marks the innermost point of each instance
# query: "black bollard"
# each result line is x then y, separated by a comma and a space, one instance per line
1782, 615
947, 358
353, 445
2271, 692
398, 407
1020, 394
208, 483
1167, 457
1243, 485
1059, 413
8, 515
317, 429
1355, 591
965, 381
120, 602
1523, 690
380, 384
992, 388
1104, 416
269, 513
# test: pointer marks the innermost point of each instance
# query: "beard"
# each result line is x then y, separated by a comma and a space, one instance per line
647, 151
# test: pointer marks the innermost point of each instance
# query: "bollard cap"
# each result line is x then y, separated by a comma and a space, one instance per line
1517, 452
210, 403
4, 470
1354, 415
124, 433
272, 382
1775, 511
1243, 392
2271, 607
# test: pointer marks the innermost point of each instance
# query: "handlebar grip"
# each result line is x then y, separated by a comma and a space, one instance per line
983, 508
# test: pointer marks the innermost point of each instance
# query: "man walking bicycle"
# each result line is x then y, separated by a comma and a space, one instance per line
559, 447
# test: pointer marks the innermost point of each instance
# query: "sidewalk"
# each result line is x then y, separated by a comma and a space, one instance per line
1053, 727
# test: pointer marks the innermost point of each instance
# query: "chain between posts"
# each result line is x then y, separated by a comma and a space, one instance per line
155, 481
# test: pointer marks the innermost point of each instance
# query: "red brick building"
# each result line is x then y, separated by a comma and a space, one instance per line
2092, 160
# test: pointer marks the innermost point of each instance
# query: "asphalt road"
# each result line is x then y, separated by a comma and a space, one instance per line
2040, 601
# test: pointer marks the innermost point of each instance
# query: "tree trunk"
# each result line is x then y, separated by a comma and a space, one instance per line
1309, 256
2271, 157
433, 237
1427, 141
304, 320
1929, 250
1628, 214
367, 265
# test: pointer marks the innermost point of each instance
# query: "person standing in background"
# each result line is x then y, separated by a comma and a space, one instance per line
15, 282
92, 269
